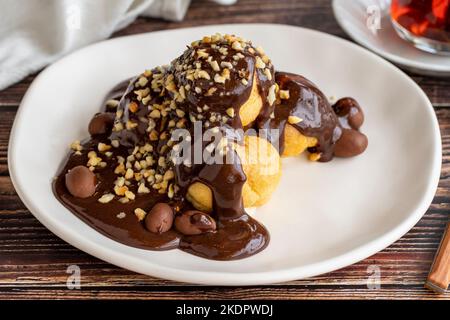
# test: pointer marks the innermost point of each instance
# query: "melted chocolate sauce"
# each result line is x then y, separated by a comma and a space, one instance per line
237, 235
307, 102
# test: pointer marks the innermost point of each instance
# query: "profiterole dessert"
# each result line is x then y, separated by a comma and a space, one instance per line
179, 152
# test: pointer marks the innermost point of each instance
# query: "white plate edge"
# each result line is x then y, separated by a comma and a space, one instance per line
220, 278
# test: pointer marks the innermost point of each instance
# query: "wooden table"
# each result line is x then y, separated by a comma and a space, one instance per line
33, 261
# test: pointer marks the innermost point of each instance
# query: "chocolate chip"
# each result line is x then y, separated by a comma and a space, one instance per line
349, 113
350, 144
194, 222
160, 218
101, 123
81, 182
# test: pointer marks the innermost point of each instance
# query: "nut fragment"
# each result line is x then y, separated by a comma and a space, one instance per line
155, 114
102, 147
133, 107
236, 46
271, 95
143, 189
230, 112
294, 119
140, 214
259, 63
215, 65
130, 195
76, 146
112, 103
203, 74
142, 81
106, 198
284, 94
218, 78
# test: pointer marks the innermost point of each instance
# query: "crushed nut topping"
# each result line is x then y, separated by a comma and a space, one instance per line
294, 119
284, 94
106, 198
271, 97
140, 214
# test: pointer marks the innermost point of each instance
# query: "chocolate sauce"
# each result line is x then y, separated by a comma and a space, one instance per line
307, 102
103, 217
151, 107
237, 235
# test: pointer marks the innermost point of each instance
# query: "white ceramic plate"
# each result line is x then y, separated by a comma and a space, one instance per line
352, 16
323, 216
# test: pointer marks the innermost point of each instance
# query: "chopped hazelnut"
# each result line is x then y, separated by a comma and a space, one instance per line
284, 94
76, 146
143, 189
142, 81
218, 78
230, 112
112, 103
120, 191
106, 198
268, 74
124, 200
237, 46
180, 113
133, 107
155, 114
129, 174
294, 119
215, 65
130, 195
271, 96
226, 64
203, 74
259, 63
140, 214
102, 147
131, 125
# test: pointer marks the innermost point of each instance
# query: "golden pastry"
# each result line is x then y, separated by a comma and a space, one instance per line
262, 167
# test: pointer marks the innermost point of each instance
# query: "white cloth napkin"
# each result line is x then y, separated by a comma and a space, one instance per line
34, 33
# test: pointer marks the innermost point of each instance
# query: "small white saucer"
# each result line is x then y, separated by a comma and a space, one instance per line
352, 16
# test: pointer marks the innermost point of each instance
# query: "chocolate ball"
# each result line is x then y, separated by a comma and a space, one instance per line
194, 222
81, 182
160, 218
350, 144
101, 123
349, 112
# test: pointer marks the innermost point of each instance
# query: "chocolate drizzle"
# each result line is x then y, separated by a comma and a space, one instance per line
202, 86
307, 102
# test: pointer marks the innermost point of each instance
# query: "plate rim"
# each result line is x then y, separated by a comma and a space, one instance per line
413, 65
132, 263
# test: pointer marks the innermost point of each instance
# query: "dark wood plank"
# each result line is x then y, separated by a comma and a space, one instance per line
33, 261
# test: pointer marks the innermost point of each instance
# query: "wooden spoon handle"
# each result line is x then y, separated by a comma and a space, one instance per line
439, 276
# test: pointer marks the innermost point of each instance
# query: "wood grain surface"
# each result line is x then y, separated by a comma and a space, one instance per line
33, 261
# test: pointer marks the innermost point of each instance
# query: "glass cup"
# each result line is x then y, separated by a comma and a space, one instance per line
425, 23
